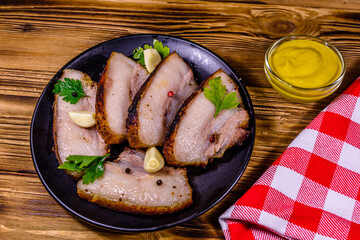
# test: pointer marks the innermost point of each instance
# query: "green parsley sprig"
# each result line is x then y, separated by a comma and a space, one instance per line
138, 53
92, 166
216, 93
70, 89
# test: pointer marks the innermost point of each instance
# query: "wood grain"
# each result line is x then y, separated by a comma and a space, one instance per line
38, 37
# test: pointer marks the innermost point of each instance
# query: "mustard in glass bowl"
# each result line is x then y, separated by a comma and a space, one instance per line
304, 68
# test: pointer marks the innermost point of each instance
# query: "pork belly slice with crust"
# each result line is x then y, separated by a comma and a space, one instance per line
127, 187
121, 79
188, 140
154, 107
70, 139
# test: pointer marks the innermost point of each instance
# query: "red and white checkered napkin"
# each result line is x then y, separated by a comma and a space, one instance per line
312, 190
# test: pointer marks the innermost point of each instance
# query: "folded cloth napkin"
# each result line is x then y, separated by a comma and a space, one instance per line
312, 190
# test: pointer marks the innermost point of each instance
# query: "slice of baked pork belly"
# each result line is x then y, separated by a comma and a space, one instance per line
196, 136
127, 187
156, 103
69, 138
121, 79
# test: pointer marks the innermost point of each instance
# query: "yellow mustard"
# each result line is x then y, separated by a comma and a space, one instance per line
305, 63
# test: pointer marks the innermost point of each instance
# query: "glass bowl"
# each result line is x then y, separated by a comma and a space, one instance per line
296, 93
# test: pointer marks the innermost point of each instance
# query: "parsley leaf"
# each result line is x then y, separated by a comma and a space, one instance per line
70, 89
95, 171
163, 50
216, 94
71, 166
146, 46
138, 53
93, 166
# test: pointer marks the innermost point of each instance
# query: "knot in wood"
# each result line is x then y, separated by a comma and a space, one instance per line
281, 26
27, 27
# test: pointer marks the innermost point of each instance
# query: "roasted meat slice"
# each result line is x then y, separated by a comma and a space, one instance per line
70, 139
196, 136
121, 79
156, 103
127, 187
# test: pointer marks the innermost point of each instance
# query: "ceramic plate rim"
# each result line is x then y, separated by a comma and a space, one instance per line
250, 143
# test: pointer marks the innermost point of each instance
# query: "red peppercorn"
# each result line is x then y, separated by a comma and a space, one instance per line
212, 139
170, 94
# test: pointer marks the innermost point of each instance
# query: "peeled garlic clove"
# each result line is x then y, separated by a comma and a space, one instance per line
152, 59
83, 118
154, 161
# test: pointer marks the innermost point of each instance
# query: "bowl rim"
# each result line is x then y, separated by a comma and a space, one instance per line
327, 87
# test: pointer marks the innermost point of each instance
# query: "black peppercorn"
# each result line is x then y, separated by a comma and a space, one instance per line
159, 182
74, 94
127, 170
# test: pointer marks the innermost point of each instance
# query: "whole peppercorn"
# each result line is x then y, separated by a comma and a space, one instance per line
170, 94
158, 182
74, 94
214, 137
128, 170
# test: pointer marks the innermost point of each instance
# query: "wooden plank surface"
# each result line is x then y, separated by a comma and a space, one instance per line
38, 37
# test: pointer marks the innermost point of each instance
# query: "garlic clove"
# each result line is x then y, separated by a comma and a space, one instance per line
83, 118
154, 161
152, 59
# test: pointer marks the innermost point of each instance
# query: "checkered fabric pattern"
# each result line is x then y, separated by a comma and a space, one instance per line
312, 191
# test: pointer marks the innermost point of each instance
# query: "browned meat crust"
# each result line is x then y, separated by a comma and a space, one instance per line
101, 123
132, 121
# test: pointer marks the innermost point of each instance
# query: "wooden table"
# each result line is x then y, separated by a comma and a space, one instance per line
37, 38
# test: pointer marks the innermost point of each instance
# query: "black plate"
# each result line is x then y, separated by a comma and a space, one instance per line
209, 186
